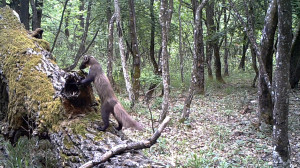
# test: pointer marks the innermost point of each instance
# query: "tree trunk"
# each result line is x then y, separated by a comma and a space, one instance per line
15, 5
197, 75
209, 42
81, 17
245, 47
34, 15
209, 52
180, 43
252, 39
157, 71
295, 59
39, 9
110, 47
211, 27
135, 52
265, 105
39, 99
122, 52
281, 147
218, 63
251, 19
226, 48
24, 13
254, 65
166, 10
67, 21
152, 39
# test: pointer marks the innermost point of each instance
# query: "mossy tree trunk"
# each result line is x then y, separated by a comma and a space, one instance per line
39, 99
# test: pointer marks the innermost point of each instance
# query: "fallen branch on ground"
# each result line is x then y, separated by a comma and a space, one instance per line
124, 147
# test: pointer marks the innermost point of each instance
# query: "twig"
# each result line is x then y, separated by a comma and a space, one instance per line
123, 147
59, 27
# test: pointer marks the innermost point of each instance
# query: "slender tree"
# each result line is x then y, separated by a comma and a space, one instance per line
82, 46
110, 43
281, 147
122, 52
134, 51
156, 70
251, 21
209, 52
67, 21
180, 42
209, 43
295, 59
265, 105
226, 48
39, 11
198, 62
166, 10
245, 48
24, 13
36, 14
211, 28
59, 27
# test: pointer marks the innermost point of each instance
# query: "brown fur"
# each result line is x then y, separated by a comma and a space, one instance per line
109, 102
37, 33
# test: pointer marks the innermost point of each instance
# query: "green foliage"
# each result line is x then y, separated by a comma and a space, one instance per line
157, 102
27, 153
147, 77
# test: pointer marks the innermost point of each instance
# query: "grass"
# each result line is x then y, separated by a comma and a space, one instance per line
27, 153
217, 134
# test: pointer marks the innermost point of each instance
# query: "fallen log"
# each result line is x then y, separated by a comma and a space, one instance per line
39, 99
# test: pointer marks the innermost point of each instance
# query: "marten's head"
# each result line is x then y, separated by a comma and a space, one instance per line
87, 61
38, 33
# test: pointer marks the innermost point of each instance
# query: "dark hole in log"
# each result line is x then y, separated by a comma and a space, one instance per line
3, 96
77, 99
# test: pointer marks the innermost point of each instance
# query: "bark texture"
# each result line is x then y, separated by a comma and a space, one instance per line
134, 51
251, 21
39, 99
226, 47
211, 27
245, 47
265, 105
281, 146
122, 52
166, 10
180, 42
197, 79
157, 70
295, 59
110, 50
24, 13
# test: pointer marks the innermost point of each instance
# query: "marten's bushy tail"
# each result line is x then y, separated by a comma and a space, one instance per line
123, 117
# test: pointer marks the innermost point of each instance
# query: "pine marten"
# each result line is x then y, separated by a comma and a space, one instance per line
37, 33
109, 102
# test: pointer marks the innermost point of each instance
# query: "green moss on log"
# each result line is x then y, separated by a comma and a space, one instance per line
30, 91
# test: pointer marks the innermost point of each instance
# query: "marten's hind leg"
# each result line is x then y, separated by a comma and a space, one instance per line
119, 126
106, 109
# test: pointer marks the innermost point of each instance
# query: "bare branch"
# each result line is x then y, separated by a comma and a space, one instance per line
125, 147
59, 27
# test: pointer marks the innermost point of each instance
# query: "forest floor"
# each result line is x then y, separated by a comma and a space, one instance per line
222, 130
